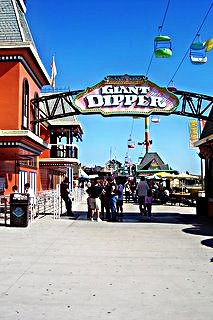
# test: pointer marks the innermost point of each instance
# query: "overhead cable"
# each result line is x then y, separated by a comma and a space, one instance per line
197, 33
160, 29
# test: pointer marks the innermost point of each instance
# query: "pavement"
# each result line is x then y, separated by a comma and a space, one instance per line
136, 269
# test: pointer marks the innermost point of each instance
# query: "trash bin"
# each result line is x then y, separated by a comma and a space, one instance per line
19, 209
201, 204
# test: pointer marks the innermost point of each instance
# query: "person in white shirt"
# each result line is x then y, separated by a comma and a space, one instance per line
141, 190
30, 192
15, 192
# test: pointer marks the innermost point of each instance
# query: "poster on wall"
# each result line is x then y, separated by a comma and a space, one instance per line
2, 184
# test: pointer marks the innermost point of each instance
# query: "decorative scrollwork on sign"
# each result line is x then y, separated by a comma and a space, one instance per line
126, 77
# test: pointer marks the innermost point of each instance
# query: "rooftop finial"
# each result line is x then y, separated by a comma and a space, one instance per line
22, 4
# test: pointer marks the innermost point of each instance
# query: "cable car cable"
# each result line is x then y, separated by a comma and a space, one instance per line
149, 64
132, 126
160, 29
191, 42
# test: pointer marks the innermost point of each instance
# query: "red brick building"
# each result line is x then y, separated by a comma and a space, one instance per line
40, 153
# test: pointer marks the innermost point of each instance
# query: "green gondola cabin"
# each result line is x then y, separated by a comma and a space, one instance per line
162, 47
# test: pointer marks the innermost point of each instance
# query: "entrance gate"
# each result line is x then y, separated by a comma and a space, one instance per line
124, 96
115, 88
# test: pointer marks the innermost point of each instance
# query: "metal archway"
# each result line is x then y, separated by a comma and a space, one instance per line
59, 105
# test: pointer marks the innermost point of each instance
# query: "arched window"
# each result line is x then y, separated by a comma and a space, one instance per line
35, 115
25, 104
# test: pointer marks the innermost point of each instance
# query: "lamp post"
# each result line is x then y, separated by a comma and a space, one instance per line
147, 141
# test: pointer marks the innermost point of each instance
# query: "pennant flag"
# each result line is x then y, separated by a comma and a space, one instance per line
208, 44
193, 133
54, 73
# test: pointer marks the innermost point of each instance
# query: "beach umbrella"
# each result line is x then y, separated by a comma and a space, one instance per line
165, 175
154, 176
184, 175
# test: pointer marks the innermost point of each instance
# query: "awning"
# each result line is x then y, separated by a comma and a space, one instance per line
83, 174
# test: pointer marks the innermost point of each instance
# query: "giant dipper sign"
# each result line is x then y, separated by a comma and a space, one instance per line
126, 95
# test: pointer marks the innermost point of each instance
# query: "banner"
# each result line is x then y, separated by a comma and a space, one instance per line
193, 133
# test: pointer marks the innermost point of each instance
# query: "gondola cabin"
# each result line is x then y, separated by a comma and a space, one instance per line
172, 88
162, 47
197, 53
155, 119
131, 144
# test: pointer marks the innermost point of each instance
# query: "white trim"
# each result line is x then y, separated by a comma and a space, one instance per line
22, 5
59, 160
27, 45
64, 145
17, 17
24, 133
204, 140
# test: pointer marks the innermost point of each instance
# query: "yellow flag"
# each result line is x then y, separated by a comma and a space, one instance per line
208, 44
54, 73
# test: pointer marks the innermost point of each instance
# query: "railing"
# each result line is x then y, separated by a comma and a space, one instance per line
64, 151
47, 202
4, 209
50, 202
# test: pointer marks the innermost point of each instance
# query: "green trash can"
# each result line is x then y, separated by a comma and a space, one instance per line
201, 204
19, 209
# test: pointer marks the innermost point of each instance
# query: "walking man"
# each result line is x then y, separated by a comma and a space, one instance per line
141, 190
65, 194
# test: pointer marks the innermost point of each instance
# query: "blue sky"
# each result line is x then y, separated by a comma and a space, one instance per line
93, 39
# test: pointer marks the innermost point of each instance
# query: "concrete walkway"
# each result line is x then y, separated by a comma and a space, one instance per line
78, 269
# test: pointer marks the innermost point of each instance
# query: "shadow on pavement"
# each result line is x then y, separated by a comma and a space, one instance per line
157, 217
208, 243
202, 226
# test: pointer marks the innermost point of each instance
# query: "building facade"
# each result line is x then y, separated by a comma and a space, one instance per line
40, 153
205, 145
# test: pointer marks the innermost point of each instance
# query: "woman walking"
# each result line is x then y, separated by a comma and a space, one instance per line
148, 203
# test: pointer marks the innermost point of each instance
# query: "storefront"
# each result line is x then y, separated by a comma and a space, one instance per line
205, 145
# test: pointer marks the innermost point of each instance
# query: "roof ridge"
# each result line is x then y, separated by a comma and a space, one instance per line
14, 28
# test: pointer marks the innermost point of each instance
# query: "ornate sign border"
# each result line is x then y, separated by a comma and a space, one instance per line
126, 96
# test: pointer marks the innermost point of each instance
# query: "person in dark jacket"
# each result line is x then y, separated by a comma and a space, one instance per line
65, 195
94, 200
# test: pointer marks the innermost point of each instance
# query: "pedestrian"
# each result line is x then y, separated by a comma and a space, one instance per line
165, 196
133, 192
89, 211
15, 192
65, 195
120, 189
15, 189
107, 195
141, 190
102, 197
32, 198
31, 193
113, 198
88, 184
127, 191
148, 203
94, 200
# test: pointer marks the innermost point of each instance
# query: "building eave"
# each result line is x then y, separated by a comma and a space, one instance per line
58, 162
33, 52
26, 134
204, 141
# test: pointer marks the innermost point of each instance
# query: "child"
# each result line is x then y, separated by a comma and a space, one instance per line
148, 203
119, 203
